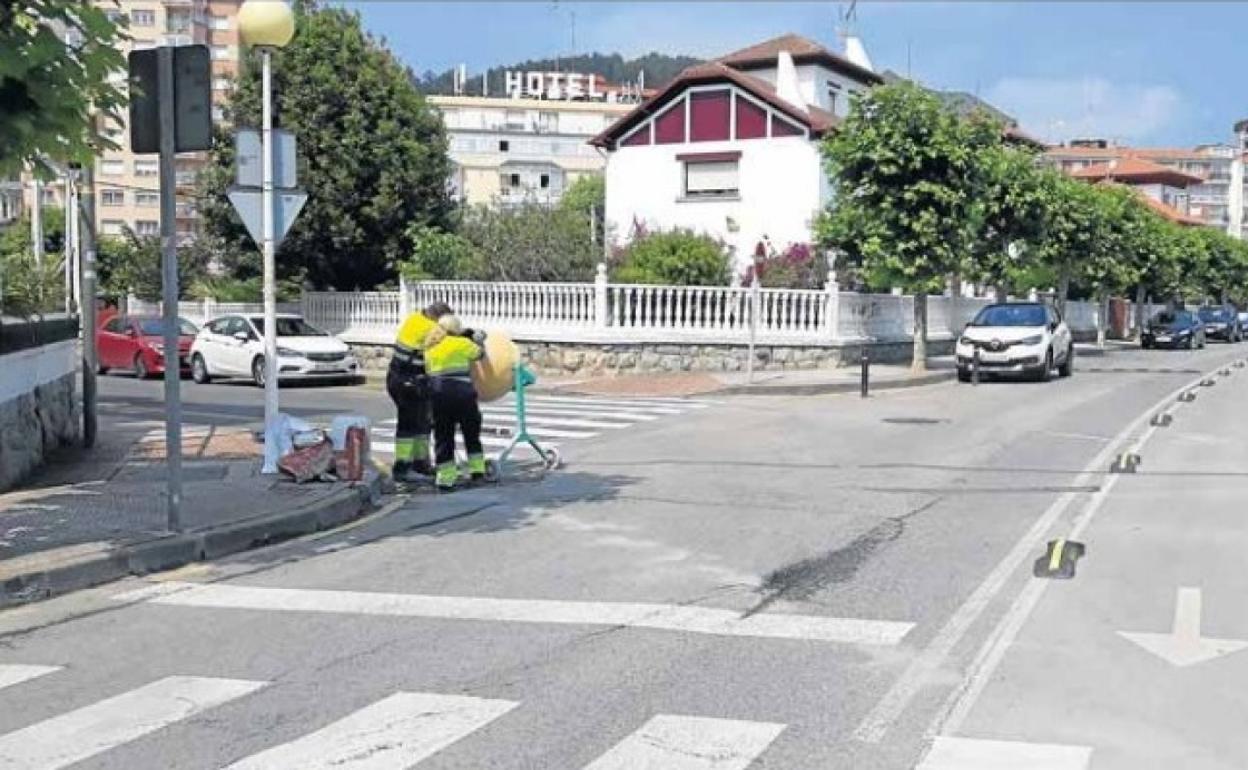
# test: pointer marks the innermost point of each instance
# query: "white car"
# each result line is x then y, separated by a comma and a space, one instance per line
233, 346
1027, 338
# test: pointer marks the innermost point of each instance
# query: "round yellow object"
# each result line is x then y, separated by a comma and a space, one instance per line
266, 23
494, 375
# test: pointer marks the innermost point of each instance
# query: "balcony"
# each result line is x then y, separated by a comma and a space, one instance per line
175, 40
186, 211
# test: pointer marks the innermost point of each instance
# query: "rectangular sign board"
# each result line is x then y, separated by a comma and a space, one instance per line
192, 99
248, 158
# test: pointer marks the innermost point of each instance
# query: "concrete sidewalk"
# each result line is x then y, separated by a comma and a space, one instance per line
95, 515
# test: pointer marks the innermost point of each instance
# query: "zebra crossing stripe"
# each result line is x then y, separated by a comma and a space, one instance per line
74, 736
663, 617
392, 734
538, 403
949, 753
564, 421
575, 412
669, 742
16, 673
487, 442
678, 403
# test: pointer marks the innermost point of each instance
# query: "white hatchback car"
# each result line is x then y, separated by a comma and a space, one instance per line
233, 346
1027, 338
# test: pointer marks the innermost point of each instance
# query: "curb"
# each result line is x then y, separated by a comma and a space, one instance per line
828, 388
47, 580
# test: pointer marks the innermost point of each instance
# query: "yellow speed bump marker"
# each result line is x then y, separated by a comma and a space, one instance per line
1059, 560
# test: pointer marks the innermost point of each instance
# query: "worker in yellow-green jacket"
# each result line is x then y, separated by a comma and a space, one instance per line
449, 355
408, 387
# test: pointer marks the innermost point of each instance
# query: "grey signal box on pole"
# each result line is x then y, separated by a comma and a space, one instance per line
192, 100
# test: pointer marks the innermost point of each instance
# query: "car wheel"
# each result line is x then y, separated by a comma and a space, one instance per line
1046, 374
1191, 343
140, 367
199, 370
1068, 366
101, 369
1146, 344
257, 371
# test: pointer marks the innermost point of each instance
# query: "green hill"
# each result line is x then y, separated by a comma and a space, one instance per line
659, 69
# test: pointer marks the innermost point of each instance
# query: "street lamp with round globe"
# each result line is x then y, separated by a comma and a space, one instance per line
267, 23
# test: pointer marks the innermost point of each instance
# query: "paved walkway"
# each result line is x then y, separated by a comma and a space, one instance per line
90, 507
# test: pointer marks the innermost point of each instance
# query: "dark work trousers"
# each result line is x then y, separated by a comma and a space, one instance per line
408, 388
454, 405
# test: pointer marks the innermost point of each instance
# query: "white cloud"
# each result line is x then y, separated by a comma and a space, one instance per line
1061, 109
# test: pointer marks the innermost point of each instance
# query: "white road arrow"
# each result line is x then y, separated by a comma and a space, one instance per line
1184, 646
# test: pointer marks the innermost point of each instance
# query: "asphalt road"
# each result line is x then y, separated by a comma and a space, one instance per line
814, 582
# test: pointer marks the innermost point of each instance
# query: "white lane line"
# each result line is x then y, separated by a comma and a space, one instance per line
16, 673
72, 737
639, 401
933, 657
392, 734
573, 412
621, 406
568, 422
665, 617
669, 742
970, 754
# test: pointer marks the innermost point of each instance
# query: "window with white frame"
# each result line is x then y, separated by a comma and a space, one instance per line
834, 93
146, 168
218, 113
220, 52
219, 22
718, 178
147, 227
112, 167
112, 197
221, 83
142, 17
147, 199
111, 226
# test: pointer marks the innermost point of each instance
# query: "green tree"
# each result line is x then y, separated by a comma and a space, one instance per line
1010, 214
587, 199
27, 287
130, 264
372, 155
530, 242
904, 170
675, 257
439, 256
51, 84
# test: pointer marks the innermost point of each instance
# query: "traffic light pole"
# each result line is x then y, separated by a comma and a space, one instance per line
269, 247
169, 288
86, 304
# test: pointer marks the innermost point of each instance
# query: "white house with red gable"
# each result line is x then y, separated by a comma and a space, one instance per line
730, 148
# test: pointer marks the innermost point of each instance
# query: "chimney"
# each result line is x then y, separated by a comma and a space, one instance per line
786, 81
856, 52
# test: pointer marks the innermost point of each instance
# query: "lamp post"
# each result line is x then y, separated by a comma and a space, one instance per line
266, 25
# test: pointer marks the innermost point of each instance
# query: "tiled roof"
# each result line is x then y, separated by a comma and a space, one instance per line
1171, 213
1132, 168
815, 119
803, 50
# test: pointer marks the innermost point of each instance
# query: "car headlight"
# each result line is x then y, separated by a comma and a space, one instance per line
289, 353
964, 340
1034, 339
1184, 331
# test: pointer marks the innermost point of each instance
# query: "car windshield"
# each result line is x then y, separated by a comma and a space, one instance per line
1214, 314
1011, 315
1171, 319
291, 327
155, 327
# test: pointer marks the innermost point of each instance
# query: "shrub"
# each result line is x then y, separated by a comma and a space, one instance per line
438, 255
677, 257
799, 266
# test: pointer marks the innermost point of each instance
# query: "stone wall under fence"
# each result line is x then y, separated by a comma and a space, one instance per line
606, 359
39, 407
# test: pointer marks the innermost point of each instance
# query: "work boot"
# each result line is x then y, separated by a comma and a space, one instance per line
476, 468
446, 477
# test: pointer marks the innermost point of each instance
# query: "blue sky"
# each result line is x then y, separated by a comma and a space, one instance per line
1145, 73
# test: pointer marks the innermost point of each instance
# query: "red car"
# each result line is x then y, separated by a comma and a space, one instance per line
137, 343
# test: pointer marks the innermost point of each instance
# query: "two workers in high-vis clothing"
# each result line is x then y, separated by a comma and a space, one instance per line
450, 351
408, 386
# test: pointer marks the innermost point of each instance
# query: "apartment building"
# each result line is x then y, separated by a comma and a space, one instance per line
530, 142
127, 185
1216, 195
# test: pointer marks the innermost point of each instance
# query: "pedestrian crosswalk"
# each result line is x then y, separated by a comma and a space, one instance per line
554, 419
397, 730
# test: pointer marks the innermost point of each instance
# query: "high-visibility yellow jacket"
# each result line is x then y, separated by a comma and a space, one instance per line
409, 343
452, 357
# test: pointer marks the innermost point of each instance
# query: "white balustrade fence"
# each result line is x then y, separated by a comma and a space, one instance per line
200, 312
600, 312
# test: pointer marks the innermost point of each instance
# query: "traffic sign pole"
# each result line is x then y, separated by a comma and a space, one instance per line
169, 287
271, 404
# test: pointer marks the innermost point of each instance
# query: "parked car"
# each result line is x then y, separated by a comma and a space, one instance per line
233, 346
137, 343
1221, 323
1174, 329
1243, 323
1028, 338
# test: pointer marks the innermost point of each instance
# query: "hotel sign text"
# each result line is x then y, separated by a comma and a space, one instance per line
553, 85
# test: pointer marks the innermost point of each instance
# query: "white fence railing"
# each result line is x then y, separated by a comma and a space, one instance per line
607, 313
